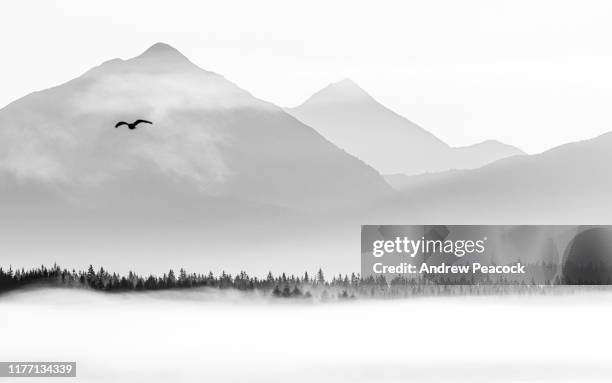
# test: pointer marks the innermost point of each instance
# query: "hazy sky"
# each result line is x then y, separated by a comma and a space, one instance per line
530, 73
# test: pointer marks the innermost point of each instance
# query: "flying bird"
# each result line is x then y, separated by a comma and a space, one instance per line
132, 126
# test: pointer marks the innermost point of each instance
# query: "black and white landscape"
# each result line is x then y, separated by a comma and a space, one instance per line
219, 239
225, 181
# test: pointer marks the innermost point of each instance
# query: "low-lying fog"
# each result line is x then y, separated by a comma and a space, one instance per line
194, 336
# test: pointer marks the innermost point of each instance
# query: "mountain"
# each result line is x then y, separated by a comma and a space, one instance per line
570, 184
209, 138
477, 155
221, 180
405, 182
470, 157
356, 122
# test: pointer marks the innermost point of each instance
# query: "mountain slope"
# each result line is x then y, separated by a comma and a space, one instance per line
209, 139
353, 120
356, 122
570, 184
482, 153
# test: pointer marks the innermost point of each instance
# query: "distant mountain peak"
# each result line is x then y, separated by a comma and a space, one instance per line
345, 87
346, 83
494, 145
158, 58
162, 51
343, 91
349, 117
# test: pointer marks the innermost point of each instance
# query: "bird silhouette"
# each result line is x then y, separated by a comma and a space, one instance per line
132, 126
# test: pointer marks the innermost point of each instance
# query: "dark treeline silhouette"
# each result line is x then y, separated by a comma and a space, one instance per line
282, 286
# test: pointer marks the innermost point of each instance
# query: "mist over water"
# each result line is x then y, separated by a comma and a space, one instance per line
203, 336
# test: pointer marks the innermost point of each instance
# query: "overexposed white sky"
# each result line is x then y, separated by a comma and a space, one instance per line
531, 73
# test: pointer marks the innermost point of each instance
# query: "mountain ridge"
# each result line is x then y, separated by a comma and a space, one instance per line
568, 184
354, 120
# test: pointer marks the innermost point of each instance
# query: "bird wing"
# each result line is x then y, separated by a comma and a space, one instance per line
144, 121
120, 123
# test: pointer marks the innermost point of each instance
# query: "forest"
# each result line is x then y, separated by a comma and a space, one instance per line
315, 287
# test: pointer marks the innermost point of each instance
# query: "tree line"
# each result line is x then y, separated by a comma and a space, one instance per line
103, 280
281, 286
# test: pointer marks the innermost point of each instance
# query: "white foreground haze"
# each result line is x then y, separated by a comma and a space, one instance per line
186, 337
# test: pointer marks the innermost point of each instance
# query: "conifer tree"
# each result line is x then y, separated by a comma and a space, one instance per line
91, 275
171, 279
320, 277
